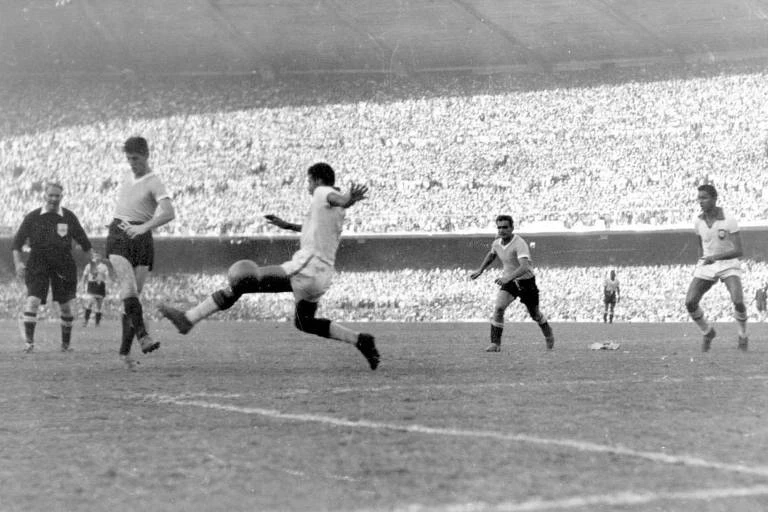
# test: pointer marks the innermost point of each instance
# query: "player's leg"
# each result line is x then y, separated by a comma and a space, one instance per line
128, 292
98, 303
88, 309
610, 311
696, 291
306, 321
500, 305
64, 293
37, 282
244, 276
66, 311
605, 310
29, 320
529, 296
733, 284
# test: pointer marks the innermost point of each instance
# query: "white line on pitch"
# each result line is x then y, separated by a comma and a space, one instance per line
584, 446
618, 499
496, 385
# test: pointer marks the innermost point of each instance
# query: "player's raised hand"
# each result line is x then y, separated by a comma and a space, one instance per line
357, 192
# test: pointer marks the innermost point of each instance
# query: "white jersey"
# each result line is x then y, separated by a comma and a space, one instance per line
716, 239
321, 230
96, 273
611, 286
510, 255
137, 198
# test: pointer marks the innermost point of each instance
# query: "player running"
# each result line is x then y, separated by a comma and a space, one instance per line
308, 274
517, 280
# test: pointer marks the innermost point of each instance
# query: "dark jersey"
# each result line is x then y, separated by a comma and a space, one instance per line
50, 236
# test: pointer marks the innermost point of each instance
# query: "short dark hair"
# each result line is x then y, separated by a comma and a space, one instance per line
136, 145
323, 173
507, 218
52, 183
709, 189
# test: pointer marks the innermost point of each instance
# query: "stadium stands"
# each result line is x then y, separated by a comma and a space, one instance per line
612, 148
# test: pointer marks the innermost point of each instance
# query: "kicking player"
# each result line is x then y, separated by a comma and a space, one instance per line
610, 296
517, 280
720, 249
142, 205
308, 274
95, 287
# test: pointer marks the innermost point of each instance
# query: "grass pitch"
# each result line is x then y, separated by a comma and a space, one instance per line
258, 416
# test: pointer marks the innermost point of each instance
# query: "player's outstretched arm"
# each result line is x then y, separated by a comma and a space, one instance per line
355, 194
282, 224
486, 262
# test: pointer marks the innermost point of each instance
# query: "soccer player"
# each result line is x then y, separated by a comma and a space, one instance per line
49, 231
610, 296
308, 274
95, 288
143, 204
517, 280
720, 249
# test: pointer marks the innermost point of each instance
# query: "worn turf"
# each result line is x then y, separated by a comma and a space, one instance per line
255, 416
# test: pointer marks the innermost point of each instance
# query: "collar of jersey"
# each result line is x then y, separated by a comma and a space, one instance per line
510, 240
136, 180
59, 212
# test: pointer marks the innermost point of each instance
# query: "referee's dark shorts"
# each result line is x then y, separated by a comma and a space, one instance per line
139, 251
96, 288
60, 277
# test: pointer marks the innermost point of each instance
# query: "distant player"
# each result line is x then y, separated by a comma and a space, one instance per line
94, 283
517, 281
143, 204
761, 296
308, 274
50, 232
720, 250
611, 296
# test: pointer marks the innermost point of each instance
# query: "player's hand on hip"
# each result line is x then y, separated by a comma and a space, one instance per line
501, 282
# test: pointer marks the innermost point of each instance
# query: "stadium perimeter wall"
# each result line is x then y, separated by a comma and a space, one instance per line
425, 251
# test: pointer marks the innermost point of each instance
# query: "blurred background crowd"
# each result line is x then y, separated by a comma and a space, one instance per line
590, 150
573, 294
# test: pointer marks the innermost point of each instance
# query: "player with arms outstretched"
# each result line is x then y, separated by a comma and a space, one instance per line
517, 280
308, 274
720, 249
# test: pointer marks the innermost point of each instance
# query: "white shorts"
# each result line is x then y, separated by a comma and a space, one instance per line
718, 270
310, 278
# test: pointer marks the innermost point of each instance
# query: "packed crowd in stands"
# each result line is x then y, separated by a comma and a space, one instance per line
608, 149
648, 294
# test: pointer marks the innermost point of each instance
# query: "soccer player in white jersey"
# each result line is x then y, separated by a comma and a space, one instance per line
143, 204
517, 280
611, 291
720, 250
94, 280
308, 274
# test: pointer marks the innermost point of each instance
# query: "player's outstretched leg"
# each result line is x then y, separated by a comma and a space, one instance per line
306, 321
497, 329
244, 276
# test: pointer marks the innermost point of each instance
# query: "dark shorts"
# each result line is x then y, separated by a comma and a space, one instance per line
609, 299
525, 290
62, 282
139, 251
96, 288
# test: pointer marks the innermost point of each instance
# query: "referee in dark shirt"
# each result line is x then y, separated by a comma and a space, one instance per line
49, 231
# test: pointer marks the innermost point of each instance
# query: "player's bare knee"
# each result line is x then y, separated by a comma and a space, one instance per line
32, 304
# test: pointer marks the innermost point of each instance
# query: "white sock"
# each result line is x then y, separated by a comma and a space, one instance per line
341, 333
202, 310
